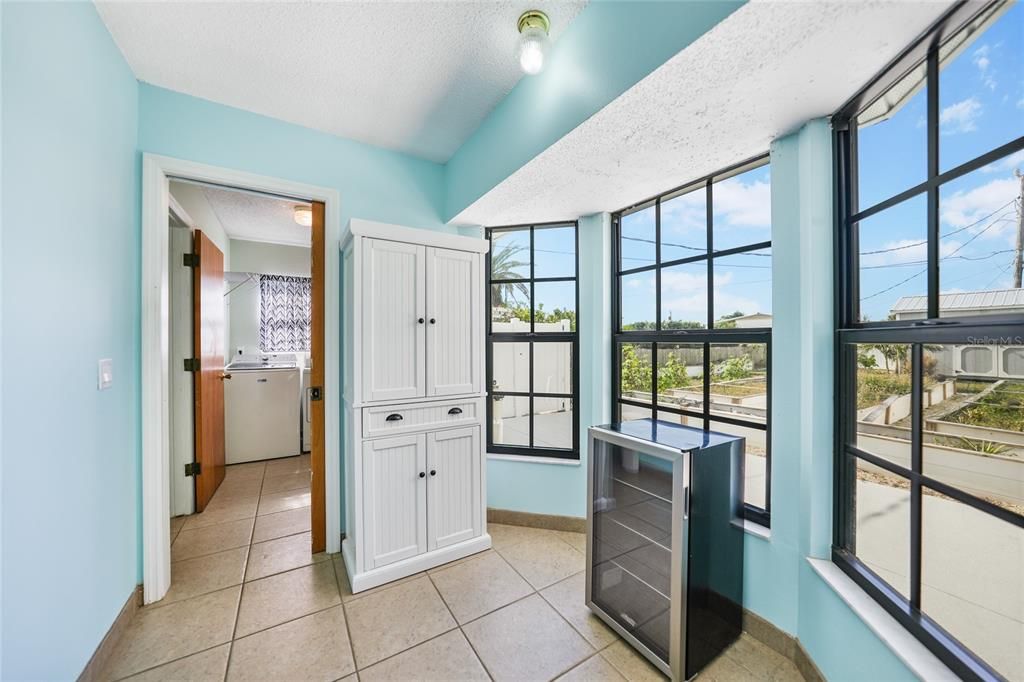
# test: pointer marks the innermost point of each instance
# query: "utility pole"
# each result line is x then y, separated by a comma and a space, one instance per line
1018, 261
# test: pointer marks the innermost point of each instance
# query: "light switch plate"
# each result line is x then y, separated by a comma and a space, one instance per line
105, 374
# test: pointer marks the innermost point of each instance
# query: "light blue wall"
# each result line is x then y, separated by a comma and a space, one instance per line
607, 49
780, 585
374, 183
70, 295
560, 488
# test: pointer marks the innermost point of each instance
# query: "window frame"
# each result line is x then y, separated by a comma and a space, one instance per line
705, 337
532, 338
932, 329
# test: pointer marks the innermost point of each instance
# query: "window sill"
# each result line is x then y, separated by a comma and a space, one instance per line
752, 528
536, 460
921, 662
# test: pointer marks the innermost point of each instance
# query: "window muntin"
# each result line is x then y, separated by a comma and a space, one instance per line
928, 509
532, 341
688, 352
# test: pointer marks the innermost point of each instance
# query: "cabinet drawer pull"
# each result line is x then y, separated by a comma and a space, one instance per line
455, 410
394, 417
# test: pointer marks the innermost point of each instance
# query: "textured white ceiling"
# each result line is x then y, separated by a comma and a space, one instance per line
763, 71
418, 77
257, 217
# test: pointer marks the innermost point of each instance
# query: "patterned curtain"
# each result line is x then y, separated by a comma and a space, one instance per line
284, 313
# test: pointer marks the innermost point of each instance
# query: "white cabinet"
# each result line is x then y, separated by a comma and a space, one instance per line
454, 329
395, 500
453, 496
422, 324
394, 326
412, 340
421, 493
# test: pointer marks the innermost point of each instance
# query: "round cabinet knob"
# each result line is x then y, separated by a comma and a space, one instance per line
433, 472
433, 321
421, 320
422, 475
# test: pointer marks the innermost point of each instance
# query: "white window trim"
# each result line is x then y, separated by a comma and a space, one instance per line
915, 655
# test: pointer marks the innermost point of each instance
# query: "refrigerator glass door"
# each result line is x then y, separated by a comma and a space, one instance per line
631, 553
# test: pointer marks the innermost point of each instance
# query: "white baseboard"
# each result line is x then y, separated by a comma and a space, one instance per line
400, 569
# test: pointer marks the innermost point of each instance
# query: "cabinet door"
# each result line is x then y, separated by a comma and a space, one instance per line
454, 329
453, 486
394, 498
394, 325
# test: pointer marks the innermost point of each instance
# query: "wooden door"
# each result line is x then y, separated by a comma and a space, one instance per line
394, 321
453, 486
208, 328
454, 331
318, 502
394, 498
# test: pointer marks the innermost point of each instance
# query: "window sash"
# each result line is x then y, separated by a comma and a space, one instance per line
707, 336
933, 329
534, 338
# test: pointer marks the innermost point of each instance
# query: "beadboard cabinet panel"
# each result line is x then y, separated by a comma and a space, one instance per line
454, 329
394, 324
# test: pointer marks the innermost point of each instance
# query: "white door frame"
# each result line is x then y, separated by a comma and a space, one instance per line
156, 171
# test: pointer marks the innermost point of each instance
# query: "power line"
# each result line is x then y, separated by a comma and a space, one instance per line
948, 234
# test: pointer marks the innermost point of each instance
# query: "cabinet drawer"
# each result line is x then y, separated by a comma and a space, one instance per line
391, 419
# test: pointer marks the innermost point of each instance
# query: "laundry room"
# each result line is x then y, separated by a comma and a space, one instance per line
261, 326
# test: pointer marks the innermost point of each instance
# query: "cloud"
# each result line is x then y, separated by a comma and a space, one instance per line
970, 206
1008, 163
743, 204
981, 60
960, 117
686, 213
684, 295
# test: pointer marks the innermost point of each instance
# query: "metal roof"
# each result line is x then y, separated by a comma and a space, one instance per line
1003, 299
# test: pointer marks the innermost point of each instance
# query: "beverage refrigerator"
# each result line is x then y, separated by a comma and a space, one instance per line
664, 542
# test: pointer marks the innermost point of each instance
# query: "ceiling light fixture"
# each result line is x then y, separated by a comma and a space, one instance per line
533, 41
304, 215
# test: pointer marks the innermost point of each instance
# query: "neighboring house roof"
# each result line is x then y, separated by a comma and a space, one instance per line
747, 317
998, 299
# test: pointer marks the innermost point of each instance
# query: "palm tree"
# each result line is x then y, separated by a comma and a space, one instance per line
504, 266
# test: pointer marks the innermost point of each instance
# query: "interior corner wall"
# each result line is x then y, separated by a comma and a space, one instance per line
560, 488
70, 296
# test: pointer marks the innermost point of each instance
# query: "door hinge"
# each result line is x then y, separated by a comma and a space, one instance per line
316, 393
193, 469
191, 364
190, 260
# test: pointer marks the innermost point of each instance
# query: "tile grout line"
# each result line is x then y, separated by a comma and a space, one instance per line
241, 592
344, 614
458, 626
230, 642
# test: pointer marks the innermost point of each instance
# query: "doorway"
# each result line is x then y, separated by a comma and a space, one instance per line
225, 340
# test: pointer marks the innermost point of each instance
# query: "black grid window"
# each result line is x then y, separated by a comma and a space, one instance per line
533, 341
929, 515
692, 313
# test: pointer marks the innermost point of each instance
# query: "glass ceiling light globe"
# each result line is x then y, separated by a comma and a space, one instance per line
533, 41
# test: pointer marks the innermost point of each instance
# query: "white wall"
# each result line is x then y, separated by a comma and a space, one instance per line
194, 202
243, 303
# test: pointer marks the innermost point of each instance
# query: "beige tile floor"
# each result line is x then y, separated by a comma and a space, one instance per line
248, 601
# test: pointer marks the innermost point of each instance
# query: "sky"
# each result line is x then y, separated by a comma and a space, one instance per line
741, 215
554, 255
981, 106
